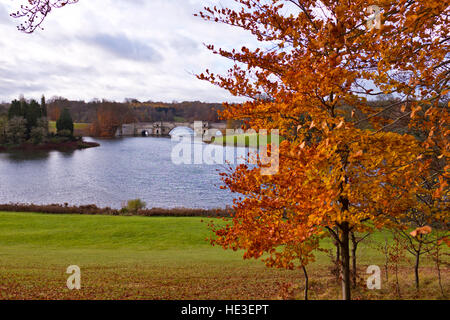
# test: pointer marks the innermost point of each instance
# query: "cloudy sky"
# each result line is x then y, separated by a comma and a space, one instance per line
115, 49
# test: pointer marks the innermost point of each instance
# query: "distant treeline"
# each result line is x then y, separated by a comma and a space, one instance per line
86, 112
106, 116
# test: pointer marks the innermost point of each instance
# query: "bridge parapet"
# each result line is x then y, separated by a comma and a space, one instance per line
162, 128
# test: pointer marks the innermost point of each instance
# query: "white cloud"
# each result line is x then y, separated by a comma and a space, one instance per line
145, 49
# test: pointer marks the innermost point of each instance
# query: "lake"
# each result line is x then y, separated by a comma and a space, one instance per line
117, 171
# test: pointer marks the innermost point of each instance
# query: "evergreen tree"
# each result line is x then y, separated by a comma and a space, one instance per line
32, 114
23, 105
15, 110
65, 122
43, 107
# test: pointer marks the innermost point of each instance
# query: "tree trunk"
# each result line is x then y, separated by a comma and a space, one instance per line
416, 269
338, 248
354, 248
337, 260
396, 281
386, 262
306, 282
345, 259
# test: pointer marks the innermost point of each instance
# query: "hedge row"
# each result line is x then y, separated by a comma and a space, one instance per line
94, 210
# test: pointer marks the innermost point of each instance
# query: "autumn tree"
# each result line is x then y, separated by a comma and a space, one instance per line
314, 58
110, 116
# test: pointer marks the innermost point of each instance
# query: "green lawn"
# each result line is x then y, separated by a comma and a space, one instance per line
243, 140
143, 257
76, 126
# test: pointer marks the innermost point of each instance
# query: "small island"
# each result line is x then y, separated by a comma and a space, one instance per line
26, 128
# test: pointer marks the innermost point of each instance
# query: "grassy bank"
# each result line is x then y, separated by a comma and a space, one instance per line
159, 258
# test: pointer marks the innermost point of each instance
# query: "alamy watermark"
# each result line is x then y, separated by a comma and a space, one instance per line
74, 280
237, 147
374, 280
374, 19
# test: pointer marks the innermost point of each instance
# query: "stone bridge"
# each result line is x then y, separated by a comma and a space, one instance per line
163, 128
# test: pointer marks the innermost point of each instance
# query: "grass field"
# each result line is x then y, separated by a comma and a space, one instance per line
76, 126
159, 258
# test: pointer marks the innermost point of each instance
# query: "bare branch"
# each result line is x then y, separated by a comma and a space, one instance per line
36, 11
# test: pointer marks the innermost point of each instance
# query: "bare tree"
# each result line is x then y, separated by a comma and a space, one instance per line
36, 11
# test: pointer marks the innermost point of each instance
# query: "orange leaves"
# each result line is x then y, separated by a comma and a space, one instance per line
421, 231
358, 154
443, 188
445, 240
343, 160
415, 110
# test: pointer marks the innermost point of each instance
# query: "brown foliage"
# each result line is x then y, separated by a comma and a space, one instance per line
53, 112
110, 116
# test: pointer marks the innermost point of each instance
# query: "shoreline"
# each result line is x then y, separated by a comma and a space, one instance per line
78, 144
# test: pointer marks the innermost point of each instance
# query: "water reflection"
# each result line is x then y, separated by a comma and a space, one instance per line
27, 156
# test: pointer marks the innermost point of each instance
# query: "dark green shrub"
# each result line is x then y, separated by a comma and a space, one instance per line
65, 122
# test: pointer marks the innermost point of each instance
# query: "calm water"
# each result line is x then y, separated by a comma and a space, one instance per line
118, 170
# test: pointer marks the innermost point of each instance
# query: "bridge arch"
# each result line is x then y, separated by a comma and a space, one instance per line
181, 131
